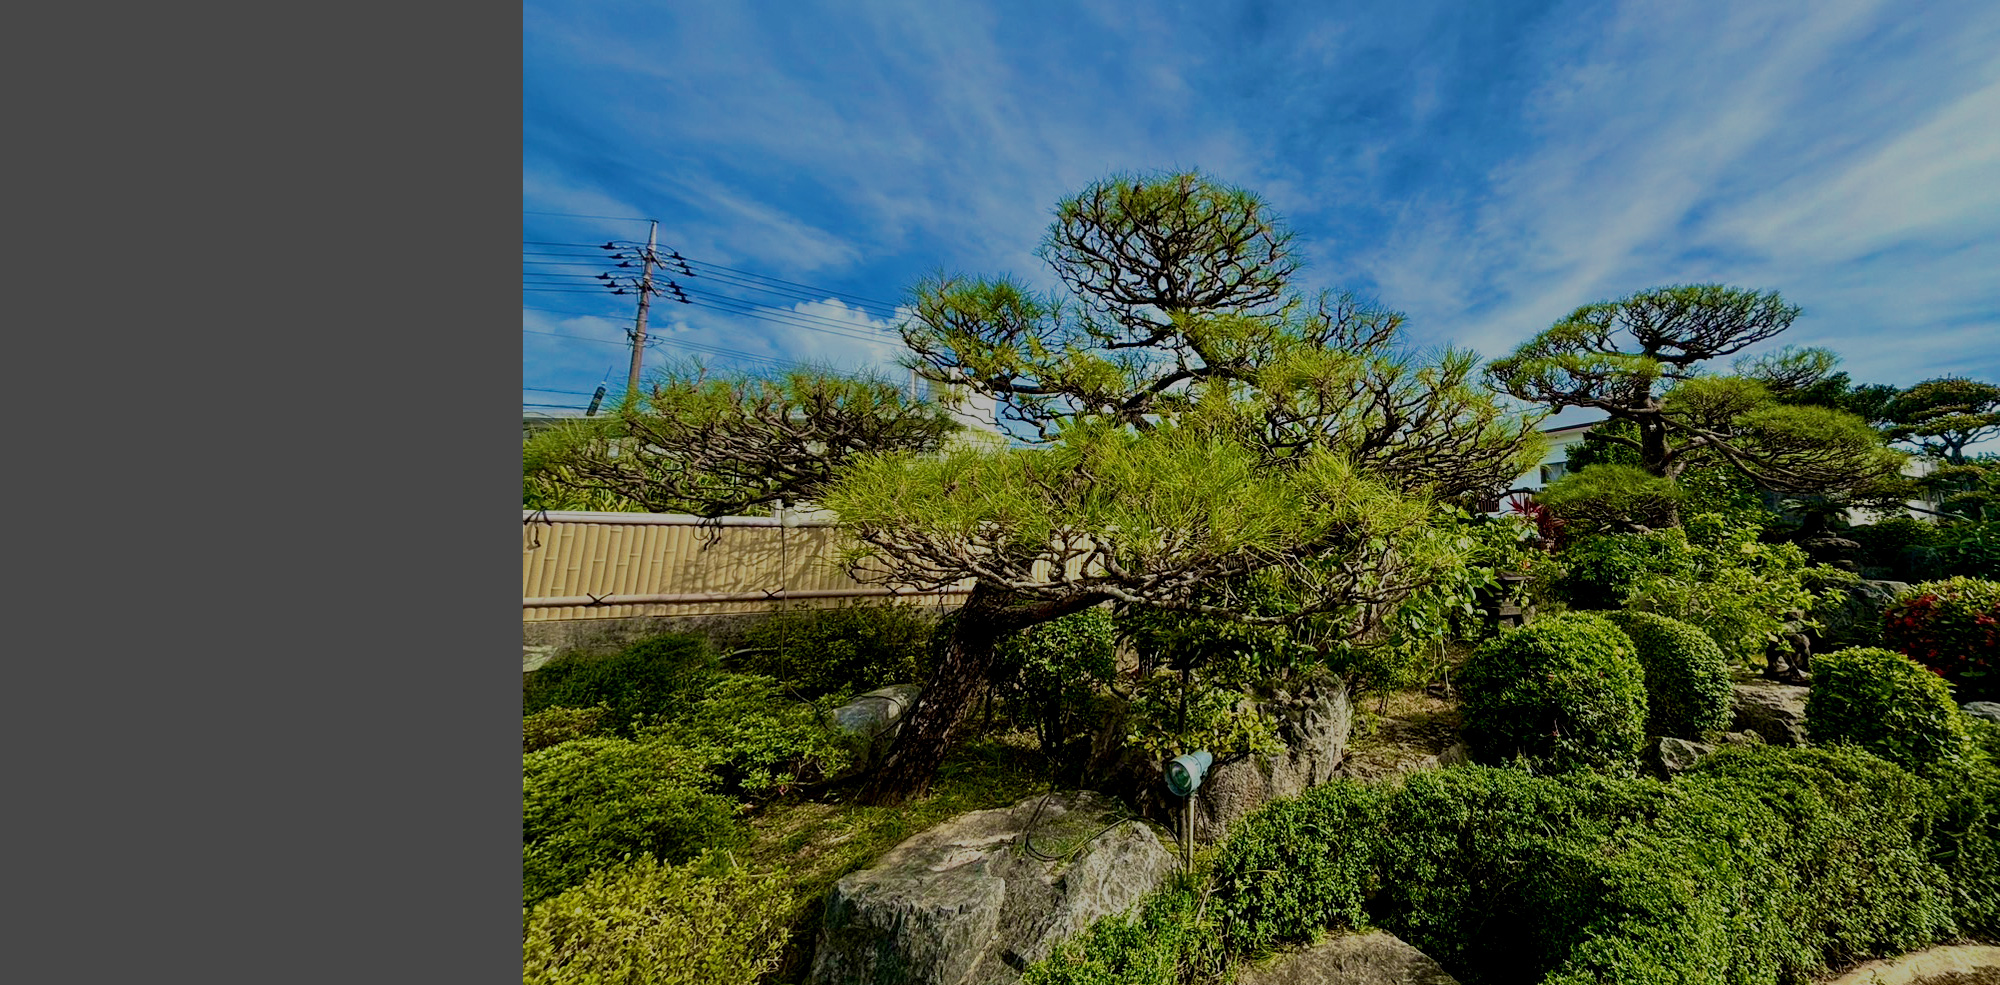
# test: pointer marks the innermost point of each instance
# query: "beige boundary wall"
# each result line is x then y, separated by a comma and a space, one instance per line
603, 566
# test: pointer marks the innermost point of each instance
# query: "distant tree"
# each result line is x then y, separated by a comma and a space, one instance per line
1199, 424
729, 444
1940, 417
1641, 360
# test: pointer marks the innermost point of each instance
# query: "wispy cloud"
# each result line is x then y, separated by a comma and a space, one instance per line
1484, 168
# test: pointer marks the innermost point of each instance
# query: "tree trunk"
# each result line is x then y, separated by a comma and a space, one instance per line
964, 667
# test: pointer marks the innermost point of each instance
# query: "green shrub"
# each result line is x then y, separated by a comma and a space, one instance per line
555, 725
1560, 694
1762, 864
1952, 627
1902, 544
1965, 833
588, 803
1888, 704
1297, 866
1687, 677
1608, 497
645, 922
1049, 677
756, 738
1970, 548
1605, 572
638, 684
840, 651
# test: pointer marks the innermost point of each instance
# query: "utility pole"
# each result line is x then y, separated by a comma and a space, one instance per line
645, 289
646, 261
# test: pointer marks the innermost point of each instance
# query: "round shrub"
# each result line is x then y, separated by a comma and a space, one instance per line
639, 683
1048, 677
645, 922
1687, 676
589, 803
1561, 694
1885, 703
1952, 627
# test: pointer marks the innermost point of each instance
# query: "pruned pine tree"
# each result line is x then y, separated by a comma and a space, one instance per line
1194, 420
1642, 359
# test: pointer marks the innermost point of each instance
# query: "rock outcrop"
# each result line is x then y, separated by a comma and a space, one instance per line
1374, 958
978, 898
1668, 757
1857, 618
1989, 710
1314, 721
1777, 712
871, 720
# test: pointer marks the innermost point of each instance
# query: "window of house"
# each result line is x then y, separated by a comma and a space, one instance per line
1553, 471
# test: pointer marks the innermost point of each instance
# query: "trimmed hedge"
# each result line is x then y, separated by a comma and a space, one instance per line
1888, 704
649, 923
1762, 864
1687, 675
1561, 694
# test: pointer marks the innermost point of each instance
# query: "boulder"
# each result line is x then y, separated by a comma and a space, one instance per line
871, 720
1744, 738
1777, 712
1989, 710
1313, 722
1374, 958
1856, 620
977, 899
1455, 755
1669, 757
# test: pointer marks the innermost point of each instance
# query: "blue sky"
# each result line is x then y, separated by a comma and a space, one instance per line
1483, 168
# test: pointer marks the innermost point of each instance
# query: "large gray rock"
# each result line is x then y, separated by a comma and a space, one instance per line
967, 903
1313, 720
871, 720
1374, 958
1856, 619
1775, 711
1313, 723
1988, 710
1669, 757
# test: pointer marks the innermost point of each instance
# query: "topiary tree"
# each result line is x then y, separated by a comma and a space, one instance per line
1888, 704
1687, 675
1198, 423
1612, 498
1561, 694
1953, 628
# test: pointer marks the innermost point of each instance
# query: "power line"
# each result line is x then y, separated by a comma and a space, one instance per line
746, 273
576, 215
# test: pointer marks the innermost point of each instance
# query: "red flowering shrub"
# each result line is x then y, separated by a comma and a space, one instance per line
1952, 627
